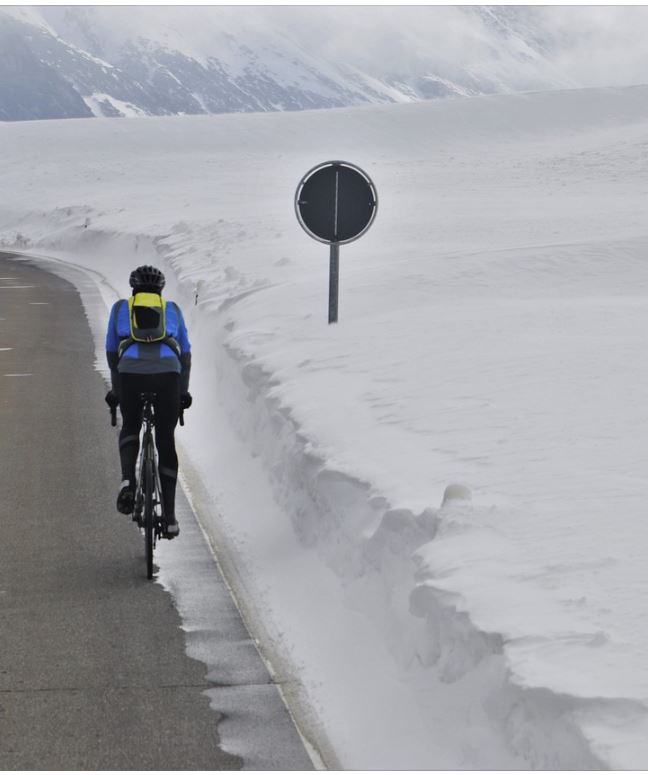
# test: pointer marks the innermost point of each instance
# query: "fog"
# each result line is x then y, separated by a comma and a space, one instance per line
544, 45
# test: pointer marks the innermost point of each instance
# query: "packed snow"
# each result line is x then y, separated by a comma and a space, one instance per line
433, 512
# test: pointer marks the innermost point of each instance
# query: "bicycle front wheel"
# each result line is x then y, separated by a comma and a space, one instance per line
149, 519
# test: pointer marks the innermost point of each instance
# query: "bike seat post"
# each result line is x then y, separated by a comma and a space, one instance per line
147, 400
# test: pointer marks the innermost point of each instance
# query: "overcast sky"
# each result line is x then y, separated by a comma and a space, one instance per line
601, 45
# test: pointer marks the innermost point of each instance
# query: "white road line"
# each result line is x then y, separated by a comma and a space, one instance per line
39, 302
6, 287
4, 349
8, 278
18, 375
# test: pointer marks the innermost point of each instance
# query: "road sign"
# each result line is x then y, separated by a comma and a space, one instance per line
336, 202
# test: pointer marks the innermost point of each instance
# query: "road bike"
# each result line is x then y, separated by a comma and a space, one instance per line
148, 512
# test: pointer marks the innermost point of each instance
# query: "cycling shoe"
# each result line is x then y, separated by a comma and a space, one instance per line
126, 497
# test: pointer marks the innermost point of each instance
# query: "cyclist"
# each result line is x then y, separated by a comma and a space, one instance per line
148, 351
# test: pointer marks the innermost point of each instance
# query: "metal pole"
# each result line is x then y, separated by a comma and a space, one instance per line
334, 281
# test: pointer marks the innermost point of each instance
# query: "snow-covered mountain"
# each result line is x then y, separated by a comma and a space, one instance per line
61, 62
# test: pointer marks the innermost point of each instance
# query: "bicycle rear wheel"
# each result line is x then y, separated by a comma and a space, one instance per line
149, 519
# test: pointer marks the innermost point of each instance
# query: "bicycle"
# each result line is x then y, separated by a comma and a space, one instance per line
148, 512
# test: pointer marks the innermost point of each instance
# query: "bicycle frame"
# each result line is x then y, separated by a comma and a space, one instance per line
153, 524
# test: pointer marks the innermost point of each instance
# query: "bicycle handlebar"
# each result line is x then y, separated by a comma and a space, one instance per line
113, 416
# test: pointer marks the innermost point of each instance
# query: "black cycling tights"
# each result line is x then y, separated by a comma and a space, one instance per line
167, 410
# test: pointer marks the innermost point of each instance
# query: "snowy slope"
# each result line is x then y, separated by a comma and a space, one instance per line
112, 61
491, 335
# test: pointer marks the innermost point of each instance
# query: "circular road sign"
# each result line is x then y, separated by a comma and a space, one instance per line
336, 202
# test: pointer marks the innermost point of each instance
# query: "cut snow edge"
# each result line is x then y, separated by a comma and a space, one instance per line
540, 728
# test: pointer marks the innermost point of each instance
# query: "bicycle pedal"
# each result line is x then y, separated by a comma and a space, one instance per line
172, 531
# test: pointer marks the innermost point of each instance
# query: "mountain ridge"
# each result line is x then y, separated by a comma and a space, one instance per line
76, 61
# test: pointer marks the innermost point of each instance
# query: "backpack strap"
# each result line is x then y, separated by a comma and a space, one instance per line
171, 341
124, 345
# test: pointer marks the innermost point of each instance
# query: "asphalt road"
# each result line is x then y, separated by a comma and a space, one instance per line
94, 672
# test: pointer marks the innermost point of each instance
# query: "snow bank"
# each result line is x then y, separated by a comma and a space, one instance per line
490, 326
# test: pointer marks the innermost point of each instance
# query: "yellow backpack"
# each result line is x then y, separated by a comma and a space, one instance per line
147, 318
147, 315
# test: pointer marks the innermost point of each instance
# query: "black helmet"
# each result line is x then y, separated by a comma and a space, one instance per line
147, 278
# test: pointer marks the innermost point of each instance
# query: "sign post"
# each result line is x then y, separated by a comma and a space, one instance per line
335, 203
334, 282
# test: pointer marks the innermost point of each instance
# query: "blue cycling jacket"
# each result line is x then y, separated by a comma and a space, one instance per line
147, 357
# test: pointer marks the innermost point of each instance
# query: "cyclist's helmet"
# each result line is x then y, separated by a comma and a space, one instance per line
147, 279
